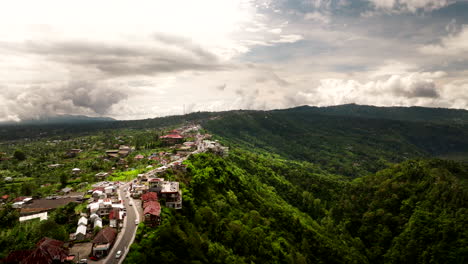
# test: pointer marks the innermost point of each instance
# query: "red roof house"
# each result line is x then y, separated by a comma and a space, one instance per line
152, 212
47, 251
149, 196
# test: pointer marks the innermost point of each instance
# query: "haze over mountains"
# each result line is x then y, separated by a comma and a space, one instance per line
59, 119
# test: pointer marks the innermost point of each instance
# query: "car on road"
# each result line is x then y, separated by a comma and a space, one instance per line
119, 254
83, 261
137, 222
130, 203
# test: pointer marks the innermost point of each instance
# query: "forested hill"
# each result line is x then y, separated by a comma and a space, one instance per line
249, 208
414, 113
345, 145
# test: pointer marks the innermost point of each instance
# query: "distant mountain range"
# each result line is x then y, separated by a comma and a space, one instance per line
60, 119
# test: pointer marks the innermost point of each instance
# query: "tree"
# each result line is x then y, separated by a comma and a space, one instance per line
19, 155
63, 179
8, 216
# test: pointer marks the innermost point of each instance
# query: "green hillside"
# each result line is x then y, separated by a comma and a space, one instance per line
345, 145
256, 209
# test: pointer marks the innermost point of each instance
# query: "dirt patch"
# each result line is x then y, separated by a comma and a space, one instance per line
81, 250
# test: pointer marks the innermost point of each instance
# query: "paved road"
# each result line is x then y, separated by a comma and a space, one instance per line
125, 236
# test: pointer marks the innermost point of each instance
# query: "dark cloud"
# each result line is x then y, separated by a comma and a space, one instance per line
88, 98
88, 95
167, 54
420, 89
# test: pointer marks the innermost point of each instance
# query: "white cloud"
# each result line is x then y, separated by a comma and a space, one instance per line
410, 5
455, 45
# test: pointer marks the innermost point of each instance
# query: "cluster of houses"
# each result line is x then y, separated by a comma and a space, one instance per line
103, 206
105, 209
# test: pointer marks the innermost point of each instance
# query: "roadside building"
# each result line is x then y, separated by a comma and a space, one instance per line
149, 196
115, 218
171, 192
104, 241
152, 213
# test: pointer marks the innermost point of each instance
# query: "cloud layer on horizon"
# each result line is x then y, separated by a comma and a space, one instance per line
249, 54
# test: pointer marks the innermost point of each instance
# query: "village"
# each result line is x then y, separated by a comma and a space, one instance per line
112, 210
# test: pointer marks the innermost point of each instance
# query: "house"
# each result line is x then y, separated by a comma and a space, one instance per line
80, 233
99, 194
8, 179
105, 206
83, 221
97, 222
109, 190
115, 218
76, 170
139, 157
124, 151
171, 192
113, 153
66, 190
104, 241
152, 213
47, 251
53, 166
173, 138
93, 208
101, 175
155, 184
93, 217
149, 196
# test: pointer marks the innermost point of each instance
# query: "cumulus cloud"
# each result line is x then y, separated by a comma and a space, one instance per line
396, 89
53, 99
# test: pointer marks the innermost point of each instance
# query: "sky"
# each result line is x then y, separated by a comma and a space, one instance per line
144, 59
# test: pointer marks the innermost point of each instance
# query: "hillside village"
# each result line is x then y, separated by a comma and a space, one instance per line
105, 207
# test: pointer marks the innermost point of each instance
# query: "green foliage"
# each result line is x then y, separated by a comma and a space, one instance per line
230, 216
414, 212
8, 216
15, 235
19, 155
344, 145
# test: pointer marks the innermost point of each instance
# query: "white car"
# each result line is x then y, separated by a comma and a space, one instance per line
130, 203
136, 222
119, 254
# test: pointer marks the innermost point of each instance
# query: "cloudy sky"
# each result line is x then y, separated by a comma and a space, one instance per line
140, 59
